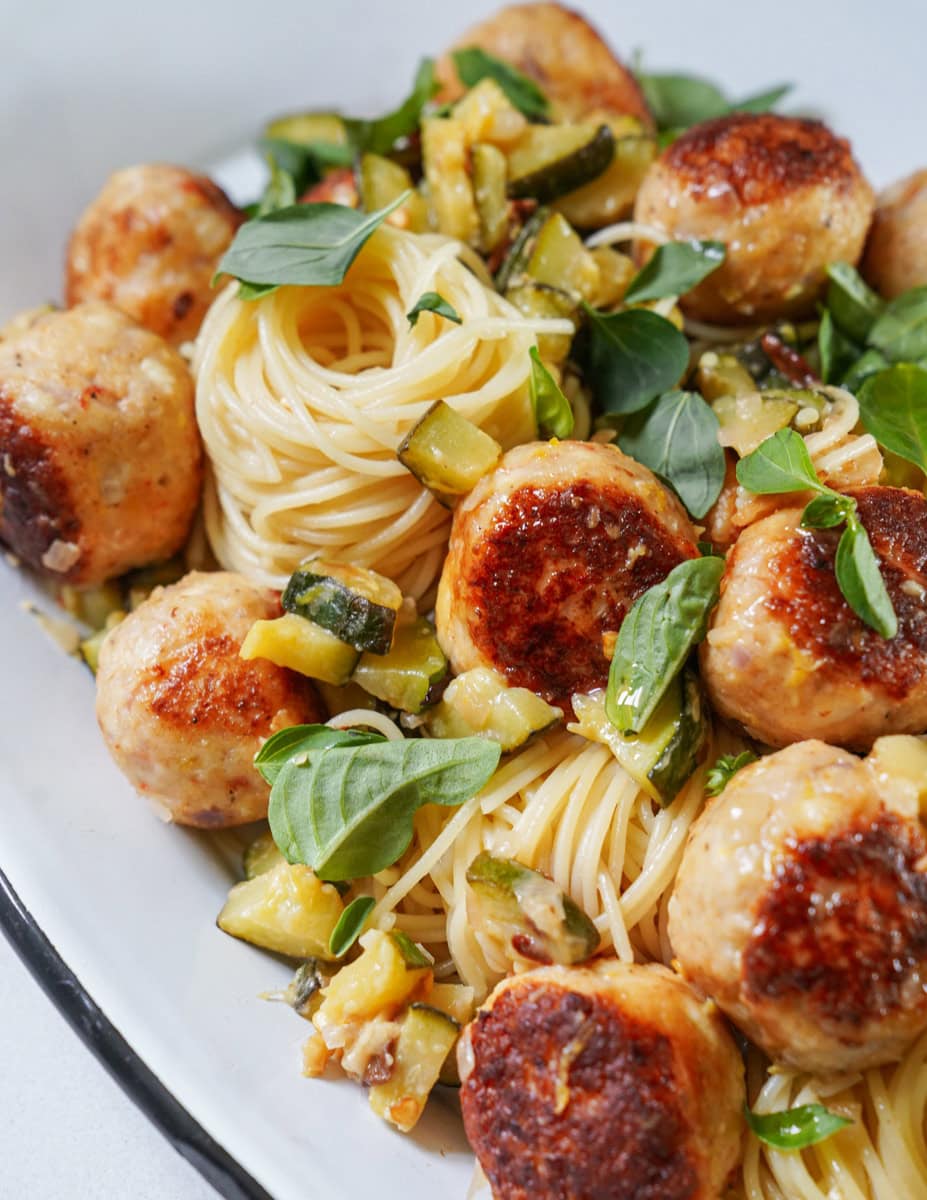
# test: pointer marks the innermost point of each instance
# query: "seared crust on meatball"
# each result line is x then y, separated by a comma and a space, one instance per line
896, 252
150, 243
801, 908
784, 194
593, 1082
182, 714
101, 457
787, 658
561, 51
548, 553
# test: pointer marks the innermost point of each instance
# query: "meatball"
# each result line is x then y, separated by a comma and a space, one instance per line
561, 51
801, 908
182, 715
787, 658
150, 243
784, 194
580, 1082
896, 252
102, 461
547, 554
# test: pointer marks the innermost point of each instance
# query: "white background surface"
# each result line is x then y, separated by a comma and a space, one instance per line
85, 88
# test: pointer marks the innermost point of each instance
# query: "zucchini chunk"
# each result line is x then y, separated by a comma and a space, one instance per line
357, 605
481, 702
490, 172
377, 983
303, 646
447, 453
548, 161
426, 1038
307, 128
261, 855
718, 375
303, 993
516, 257
404, 677
381, 181
459, 1002
560, 260
287, 909
539, 300
446, 160
611, 196
527, 911
487, 115
89, 647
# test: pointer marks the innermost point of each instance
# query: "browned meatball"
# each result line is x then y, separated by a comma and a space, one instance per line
787, 658
784, 194
615, 1082
896, 252
150, 243
801, 908
548, 553
101, 458
182, 714
561, 51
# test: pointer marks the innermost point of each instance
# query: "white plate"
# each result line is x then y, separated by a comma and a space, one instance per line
128, 902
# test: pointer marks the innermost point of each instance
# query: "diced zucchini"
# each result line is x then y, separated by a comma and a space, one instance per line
517, 255
718, 375
292, 641
260, 856
381, 182
304, 991
445, 157
560, 260
307, 128
349, 695
746, 421
426, 1037
447, 453
487, 115
611, 196
527, 911
404, 677
92, 605
616, 271
492, 203
481, 702
456, 999
89, 648
512, 422
379, 982
357, 605
540, 301
549, 161
287, 909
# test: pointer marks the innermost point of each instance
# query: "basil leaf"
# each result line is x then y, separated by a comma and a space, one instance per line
762, 102
678, 101
348, 811
871, 363
280, 191
827, 510
350, 925
836, 351
552, 410
629, 358
724, 770
411, 951
780, 464
901, 331
299, 741
796, 1128
674, 269
306, 162
435, 303
307, 244
893, 407
381, 135
678, 439
474, 64
655, 639
860, 580
854, 306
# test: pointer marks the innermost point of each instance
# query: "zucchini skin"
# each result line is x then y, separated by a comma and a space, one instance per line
680, 755
349, 615
566, 174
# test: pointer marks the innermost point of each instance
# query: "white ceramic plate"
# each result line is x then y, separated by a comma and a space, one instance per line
128, 902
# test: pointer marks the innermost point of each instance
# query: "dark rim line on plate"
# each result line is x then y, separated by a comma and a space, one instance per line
107, 1044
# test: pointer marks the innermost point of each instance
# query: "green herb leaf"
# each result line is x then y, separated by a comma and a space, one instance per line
860, 580
762, 102
893, 407
552, 410
629, 358
410, 951
674, 269
381, 135
655, 639
869, 364
678, 101
306, 162
678, 439
780, 464
854, 306
796, 1128
837, 352
280, 191
724, 770
827, 510
299, 741
435, 303
308, 244
901, 331
347, 811
350, 925
474, 64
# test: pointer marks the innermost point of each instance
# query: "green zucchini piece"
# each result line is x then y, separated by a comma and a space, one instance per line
357, 605
382, 181
528, 912
540, 301
303, 993
748, 420
287, 909
412, 956
89, 648
549, 161
611, 196
481, 702
301, 645
404, 677
517, 255
426, 1038
93, 606
718, 375
260, 855
560, 260
307, 128
447, 453
490, 175
446, 162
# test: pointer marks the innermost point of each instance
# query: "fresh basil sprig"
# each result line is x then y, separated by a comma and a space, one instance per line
796, 1128
893, 407
433, 302
552, 410
631, 357
381, 135
474, 64
299, 741
350, 925
678, 101
724, 770
674, 269
655, 638
852, 303
677, 438
781, 465
835, 350
900, 332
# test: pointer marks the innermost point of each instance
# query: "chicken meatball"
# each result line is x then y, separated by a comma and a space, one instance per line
547, 554
801, 908
896, 252
150, 243
787, 658
785, 196
580, 1082
102, 461
561, 51
182, 715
